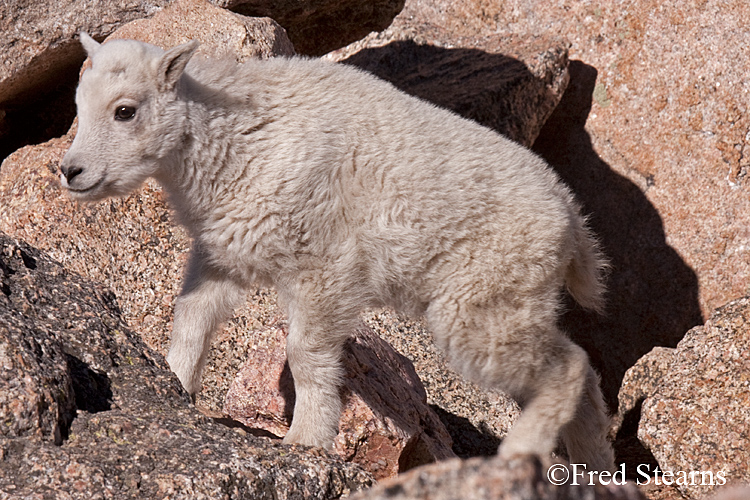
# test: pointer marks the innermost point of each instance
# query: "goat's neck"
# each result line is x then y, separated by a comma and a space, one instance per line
194, 175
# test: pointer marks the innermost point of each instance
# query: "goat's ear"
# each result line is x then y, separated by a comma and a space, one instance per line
173, 63
89, 44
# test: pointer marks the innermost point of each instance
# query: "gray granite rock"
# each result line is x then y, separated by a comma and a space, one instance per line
694, 419
94, 413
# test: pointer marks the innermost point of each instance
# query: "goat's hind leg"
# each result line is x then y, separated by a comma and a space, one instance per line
549, 390
562, 397
586, 435
518, 349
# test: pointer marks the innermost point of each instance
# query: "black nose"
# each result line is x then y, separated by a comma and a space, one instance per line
70, 171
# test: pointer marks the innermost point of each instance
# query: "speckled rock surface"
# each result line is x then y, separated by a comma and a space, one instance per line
640, 381
37, 398
643, 378
490, 479
511, 84
221, 33
695, 419
386, 425
112, 420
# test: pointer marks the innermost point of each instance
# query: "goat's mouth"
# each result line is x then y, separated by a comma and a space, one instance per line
83, 192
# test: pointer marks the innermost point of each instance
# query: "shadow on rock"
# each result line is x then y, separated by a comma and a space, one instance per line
319, 27
653, 293
495, 90
93, 389
468, 439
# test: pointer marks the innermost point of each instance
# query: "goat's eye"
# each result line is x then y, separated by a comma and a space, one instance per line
124, 113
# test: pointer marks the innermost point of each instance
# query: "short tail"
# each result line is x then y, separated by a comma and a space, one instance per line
587, 271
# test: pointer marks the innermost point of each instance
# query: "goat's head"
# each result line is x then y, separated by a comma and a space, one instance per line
130, 118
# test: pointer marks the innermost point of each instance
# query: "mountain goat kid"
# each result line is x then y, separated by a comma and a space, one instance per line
344, 193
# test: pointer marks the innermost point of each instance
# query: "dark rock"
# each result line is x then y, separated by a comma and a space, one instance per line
319, 26
509, 84
93, 413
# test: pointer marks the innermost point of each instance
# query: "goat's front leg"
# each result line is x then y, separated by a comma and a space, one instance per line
317, 333
207, 299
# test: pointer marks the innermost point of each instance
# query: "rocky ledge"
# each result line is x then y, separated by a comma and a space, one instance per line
88, 411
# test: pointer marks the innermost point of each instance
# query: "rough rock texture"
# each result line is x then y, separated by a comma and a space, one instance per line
639, 381
671, 115
319, 26
643, 379
96, 414
490, 479
695, 417
220, 32
386, 425
509, 84
37, 398
41, 57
